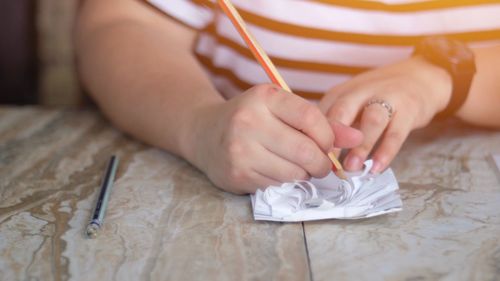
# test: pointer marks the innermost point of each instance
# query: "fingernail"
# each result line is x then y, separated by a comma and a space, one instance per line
376, 168
353, 163
336, 151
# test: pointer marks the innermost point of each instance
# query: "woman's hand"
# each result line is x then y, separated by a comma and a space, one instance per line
414, 89
264, 136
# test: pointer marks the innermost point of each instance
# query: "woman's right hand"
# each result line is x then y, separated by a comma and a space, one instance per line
264, 136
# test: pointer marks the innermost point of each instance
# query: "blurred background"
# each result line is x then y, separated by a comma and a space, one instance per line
36, 53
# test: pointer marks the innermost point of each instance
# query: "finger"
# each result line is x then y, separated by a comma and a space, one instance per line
295, 147
374, 121
303, 116
276, 168
345, 136
331, 96
394, 137
257, 181
336, 152
345, 110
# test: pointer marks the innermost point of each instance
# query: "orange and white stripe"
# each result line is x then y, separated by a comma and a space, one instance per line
317, 44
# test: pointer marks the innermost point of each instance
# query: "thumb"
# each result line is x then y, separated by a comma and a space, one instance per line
345, 136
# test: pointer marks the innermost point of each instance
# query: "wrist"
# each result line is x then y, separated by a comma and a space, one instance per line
195, 133
438, 79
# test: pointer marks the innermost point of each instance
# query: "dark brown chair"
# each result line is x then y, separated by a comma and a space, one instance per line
36, 53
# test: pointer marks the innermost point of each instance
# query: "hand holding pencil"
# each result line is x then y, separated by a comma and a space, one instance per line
265, 62
263, 136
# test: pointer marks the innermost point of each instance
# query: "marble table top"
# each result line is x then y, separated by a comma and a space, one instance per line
166, 221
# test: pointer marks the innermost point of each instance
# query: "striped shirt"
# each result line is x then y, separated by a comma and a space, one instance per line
317, 44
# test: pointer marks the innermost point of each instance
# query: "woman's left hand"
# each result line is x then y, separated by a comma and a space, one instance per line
414, 90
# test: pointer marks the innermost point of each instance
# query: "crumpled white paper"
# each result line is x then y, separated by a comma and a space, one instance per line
363, 195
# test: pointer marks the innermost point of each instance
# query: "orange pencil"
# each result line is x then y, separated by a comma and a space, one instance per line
265, 62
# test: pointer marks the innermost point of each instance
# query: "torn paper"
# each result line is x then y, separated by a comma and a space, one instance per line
363, 195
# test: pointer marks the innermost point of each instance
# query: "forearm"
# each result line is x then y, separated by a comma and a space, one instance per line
144, 83
482, 105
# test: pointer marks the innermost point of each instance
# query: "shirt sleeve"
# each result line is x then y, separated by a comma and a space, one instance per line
194, 13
